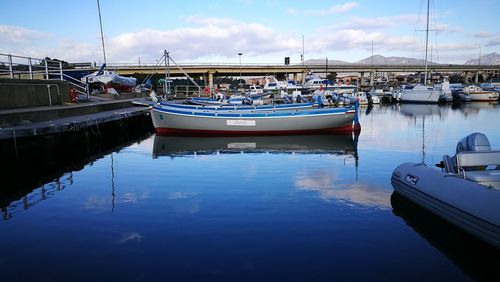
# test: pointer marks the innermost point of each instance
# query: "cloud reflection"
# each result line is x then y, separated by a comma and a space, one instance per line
131, 236
355, 193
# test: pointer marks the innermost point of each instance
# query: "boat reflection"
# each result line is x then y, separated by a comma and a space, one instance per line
477, 259
416, 110
176, 146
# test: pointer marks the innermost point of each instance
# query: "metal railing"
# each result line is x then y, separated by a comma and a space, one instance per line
21, 67
13, 66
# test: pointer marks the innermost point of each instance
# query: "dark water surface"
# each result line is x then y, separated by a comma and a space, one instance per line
292, 208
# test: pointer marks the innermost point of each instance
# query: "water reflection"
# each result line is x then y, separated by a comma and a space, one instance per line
34, 169
477, 259
175, 146
329, 187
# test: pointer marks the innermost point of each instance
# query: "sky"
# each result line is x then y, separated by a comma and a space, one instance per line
263, 31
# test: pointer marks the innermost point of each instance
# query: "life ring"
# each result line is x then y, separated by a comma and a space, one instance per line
206, 90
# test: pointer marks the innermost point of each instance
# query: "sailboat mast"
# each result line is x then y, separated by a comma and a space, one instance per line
426, 43
102, 35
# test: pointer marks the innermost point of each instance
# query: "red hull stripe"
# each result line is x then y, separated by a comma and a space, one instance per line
346, 129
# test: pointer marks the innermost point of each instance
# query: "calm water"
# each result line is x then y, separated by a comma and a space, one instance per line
294, 208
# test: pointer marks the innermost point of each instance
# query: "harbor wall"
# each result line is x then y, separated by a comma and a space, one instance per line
21, 93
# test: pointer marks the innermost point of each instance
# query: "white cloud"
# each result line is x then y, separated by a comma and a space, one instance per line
441, 28
482, 34
18, 35
494, 41
336, 9
211, 39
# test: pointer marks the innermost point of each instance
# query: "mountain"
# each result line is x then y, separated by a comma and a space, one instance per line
323, 61
381, 60
488, 59
377, 60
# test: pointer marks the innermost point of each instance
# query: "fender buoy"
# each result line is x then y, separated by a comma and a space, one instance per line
72, 95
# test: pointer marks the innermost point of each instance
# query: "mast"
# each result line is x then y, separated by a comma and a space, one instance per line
426, 43
102, 35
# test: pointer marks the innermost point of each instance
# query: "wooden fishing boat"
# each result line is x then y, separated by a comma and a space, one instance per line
169, 120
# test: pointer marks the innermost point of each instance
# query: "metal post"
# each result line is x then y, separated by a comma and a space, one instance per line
239, 80
61, 70
87, 88
46, 69
426, 43
102, 34
326, 73
30, 68
166, 85
303, 55
11, 72
168, 73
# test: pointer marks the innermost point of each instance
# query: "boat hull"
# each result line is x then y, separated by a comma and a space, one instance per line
484, 97
420, 96
466, 204
168, 121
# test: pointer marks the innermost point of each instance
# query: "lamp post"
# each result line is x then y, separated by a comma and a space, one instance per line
239, 80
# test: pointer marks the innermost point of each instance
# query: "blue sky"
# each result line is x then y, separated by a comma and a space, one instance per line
264, 31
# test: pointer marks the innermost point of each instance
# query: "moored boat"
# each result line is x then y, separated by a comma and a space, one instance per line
466, 192
419, 94
476, 93
168, 120
110, 79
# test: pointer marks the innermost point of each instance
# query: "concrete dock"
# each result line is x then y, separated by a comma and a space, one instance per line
34, 107
34, 121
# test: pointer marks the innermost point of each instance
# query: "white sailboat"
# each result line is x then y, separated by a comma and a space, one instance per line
421, 93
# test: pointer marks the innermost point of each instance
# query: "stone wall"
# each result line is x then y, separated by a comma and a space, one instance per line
21, 93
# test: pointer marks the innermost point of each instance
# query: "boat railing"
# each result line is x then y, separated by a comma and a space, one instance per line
188, 91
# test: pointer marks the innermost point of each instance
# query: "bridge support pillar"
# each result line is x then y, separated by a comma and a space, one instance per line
371, 78
466, 77
295, 77
211, 80
476, 78
361, 78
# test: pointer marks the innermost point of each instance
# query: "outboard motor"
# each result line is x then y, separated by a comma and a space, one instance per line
474, 142
247, 101
298, 99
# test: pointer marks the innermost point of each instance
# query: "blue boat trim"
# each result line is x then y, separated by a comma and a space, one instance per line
292, 113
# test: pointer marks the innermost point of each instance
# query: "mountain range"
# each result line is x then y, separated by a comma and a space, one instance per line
487, 59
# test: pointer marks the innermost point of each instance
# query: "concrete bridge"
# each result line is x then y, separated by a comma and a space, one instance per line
208, 71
